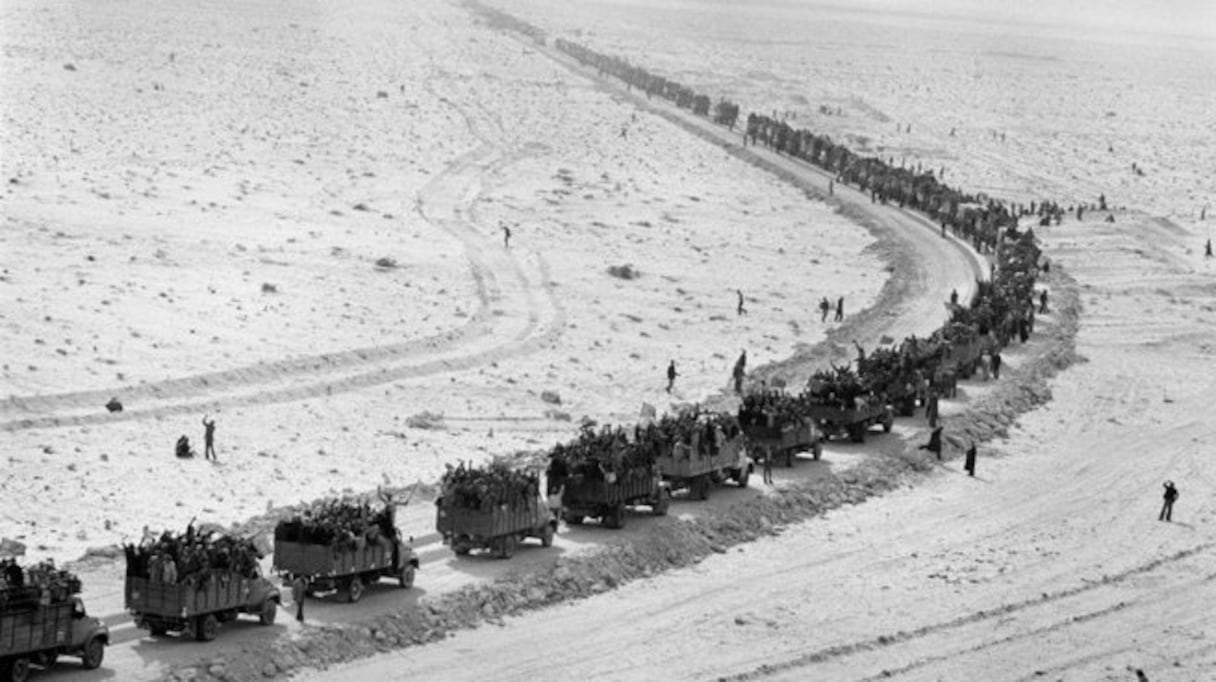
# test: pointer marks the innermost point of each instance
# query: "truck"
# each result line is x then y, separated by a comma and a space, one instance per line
198, 604
499, 527
694, 466
854, 421
36, 631
590, 494
346, 568
785, 440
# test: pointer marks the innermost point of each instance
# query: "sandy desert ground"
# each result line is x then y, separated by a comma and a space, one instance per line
188, 158
122, 279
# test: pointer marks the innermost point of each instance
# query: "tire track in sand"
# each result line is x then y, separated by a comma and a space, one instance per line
517, 312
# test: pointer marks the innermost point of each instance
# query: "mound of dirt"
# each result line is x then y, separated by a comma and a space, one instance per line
673, 543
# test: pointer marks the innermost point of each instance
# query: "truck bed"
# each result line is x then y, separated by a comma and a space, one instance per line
683, 467
184, 600
310, 559
496, 522
633, 484
37, 628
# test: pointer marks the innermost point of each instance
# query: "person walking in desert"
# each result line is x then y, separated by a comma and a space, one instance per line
1167, 508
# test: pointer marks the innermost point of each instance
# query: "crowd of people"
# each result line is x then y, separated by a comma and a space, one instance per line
40, 584
488, 487
191, 558
725, 112
612, 451
338, 523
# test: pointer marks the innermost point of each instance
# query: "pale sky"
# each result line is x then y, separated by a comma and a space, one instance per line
1181, 17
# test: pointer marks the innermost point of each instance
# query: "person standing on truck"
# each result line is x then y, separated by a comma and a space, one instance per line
208, 438
1167, 509
298, 586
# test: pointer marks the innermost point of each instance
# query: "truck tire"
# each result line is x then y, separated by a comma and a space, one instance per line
615, 519
268, 612
789, 458
701, 484
546, 535
354, 589
660, 505
888, 422
93, 653
406, 578
15, 670
857, 433
742, 476
817, 450
46, 659
572, 518
208, 627
461, 545
506, 546
157, 630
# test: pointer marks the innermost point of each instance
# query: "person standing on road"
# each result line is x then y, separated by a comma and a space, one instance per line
824, 307
1167, 509
298, 586
1043, 302
954, 297
740, 310
506, 237
768, 466
931, 408
208, 438
740, 372
996, 364
840, 309
935, 443
671, 375
969, 462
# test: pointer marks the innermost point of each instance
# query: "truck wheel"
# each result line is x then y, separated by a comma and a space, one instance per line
354, 589
619, 513
887, 423
461, 545
268, 612
817, 450
406, 577
47, 660
857, 433
15, 670
157, 630
702, 483
659, 506
572, 519
94, 652
789, 459
742, 477
506, 546
207, 628
546, 535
